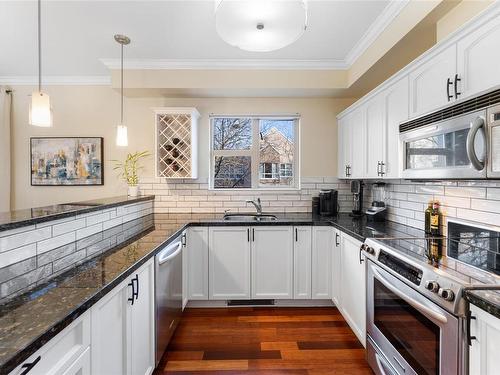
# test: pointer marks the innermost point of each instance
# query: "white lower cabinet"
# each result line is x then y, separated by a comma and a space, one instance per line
336, 268
483, 353
321, 271
197, 263
272, 262
122, 332
353, 286
302, 249
63, 353
229, 263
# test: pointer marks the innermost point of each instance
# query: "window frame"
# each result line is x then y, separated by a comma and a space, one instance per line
254, 153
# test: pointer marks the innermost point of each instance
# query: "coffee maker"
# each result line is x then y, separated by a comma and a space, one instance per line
328, 202
357, 198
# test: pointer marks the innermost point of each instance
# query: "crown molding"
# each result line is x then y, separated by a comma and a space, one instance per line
56, 80
214, 64
390, 12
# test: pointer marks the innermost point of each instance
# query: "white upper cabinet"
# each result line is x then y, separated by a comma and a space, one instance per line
344, 147
357, 137
374, 154
272, 262
396, 111
478, 59
432, 81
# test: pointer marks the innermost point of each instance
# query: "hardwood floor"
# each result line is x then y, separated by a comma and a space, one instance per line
271, 341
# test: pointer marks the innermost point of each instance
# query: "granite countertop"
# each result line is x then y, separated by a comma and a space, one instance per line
488, 300
60, 301
29, 216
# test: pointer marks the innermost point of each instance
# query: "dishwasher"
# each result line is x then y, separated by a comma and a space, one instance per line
168, 293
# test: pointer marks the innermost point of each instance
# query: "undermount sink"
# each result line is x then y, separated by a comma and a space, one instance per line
249, 217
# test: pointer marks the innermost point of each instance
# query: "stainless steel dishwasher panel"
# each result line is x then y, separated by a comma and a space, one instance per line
168, 293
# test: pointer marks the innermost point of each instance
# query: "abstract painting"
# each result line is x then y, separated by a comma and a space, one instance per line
66, 161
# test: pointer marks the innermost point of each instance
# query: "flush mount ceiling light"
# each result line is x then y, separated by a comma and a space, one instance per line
260, 25
121, 129
40, 113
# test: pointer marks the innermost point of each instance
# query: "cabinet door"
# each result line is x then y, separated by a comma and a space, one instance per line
81, 366
142, 323
428, 82
396, 111
336, 269
484, 350
302, 262
375, 142
344, 147
478, 59
353, 290
357, 137
272, 262
229, 263
197, 263
322, 247
109, 332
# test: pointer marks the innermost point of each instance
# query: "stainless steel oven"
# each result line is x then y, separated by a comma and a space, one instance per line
415, 335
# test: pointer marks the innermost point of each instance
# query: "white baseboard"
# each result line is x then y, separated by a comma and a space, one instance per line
278, 303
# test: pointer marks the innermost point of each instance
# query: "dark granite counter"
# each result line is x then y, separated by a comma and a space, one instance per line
29, 216
488, 300
30, 320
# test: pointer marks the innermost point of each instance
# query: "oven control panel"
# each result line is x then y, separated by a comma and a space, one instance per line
402, 268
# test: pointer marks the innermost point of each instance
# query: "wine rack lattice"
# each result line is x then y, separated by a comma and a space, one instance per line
174, 149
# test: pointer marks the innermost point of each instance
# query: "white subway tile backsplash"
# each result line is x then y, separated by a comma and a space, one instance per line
460, 191
69, 226
24, 238
21, 253
88, 231
54, 242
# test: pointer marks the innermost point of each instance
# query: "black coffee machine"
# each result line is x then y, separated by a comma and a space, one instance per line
357, 198
328, 202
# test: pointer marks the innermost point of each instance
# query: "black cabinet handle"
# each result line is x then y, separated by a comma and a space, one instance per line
132, 284
361, 248
457, 79
137, 283
253, 234
183, 239
469, 337
248, 234
296, 235
337, 239
382, 164
346, 171
28, 366
448, 84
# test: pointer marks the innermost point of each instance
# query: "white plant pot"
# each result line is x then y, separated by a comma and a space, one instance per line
133, 191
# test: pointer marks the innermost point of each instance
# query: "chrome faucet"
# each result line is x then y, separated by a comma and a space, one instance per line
257, 205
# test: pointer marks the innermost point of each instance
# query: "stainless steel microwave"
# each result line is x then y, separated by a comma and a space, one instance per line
465, 146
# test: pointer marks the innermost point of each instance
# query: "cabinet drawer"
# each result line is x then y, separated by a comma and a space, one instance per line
60, 352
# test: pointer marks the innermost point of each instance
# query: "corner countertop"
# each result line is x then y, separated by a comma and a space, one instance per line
29, 216
29, 321
488, 300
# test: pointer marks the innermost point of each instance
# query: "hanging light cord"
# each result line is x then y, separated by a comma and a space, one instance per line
121, 78
39, 46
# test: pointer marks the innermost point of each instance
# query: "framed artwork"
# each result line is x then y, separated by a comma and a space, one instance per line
67, 161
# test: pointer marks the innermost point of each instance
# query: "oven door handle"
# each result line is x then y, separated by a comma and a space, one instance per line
380, 365
417, 305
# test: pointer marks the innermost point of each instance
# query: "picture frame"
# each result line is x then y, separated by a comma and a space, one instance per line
67, 161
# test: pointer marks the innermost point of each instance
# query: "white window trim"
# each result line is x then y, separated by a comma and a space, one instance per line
254, 153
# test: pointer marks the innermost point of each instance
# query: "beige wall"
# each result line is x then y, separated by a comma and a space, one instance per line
94, 111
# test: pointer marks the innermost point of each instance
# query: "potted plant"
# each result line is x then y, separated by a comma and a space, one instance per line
129, 171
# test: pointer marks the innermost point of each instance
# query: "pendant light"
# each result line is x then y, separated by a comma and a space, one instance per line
40, 113
121, 129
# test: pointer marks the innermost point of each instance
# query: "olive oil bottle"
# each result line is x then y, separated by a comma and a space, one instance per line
436, 245
428, 212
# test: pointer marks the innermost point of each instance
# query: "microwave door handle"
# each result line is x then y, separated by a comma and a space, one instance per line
477, 124
415, 304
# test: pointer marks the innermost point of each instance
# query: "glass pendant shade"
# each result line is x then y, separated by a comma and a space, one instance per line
121, 135
40, 111
260, 25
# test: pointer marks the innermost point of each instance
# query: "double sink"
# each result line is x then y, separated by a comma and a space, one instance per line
249, 217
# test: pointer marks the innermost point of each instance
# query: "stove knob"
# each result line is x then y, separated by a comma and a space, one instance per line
370, 250
446, 294
433, 286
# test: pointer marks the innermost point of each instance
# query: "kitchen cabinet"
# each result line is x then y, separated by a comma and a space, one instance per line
336, 268
357, 137
344, 147
302, 248
321, 271
353, 286
229, 263
123, 326
67, 351
432, 81
483, 353
374, 129
477, 58
197, 263
272, 262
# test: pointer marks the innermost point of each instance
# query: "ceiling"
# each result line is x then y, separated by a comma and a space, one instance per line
78, 36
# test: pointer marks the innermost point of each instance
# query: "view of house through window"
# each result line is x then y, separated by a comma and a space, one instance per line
254, 152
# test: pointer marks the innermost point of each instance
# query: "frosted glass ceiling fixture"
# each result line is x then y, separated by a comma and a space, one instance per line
40, 113
121, 129
260, 25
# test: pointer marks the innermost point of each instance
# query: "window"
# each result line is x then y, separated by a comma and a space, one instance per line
254, 152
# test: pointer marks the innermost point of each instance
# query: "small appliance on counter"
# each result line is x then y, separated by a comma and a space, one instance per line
357, 197
328, 202
378, 210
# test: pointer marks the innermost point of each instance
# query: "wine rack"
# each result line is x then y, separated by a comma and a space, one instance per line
176, 142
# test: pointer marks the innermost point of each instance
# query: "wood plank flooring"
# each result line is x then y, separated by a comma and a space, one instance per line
257, 341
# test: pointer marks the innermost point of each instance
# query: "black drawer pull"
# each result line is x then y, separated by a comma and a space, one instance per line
132, 299
28, 366
469, 337
137, 284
